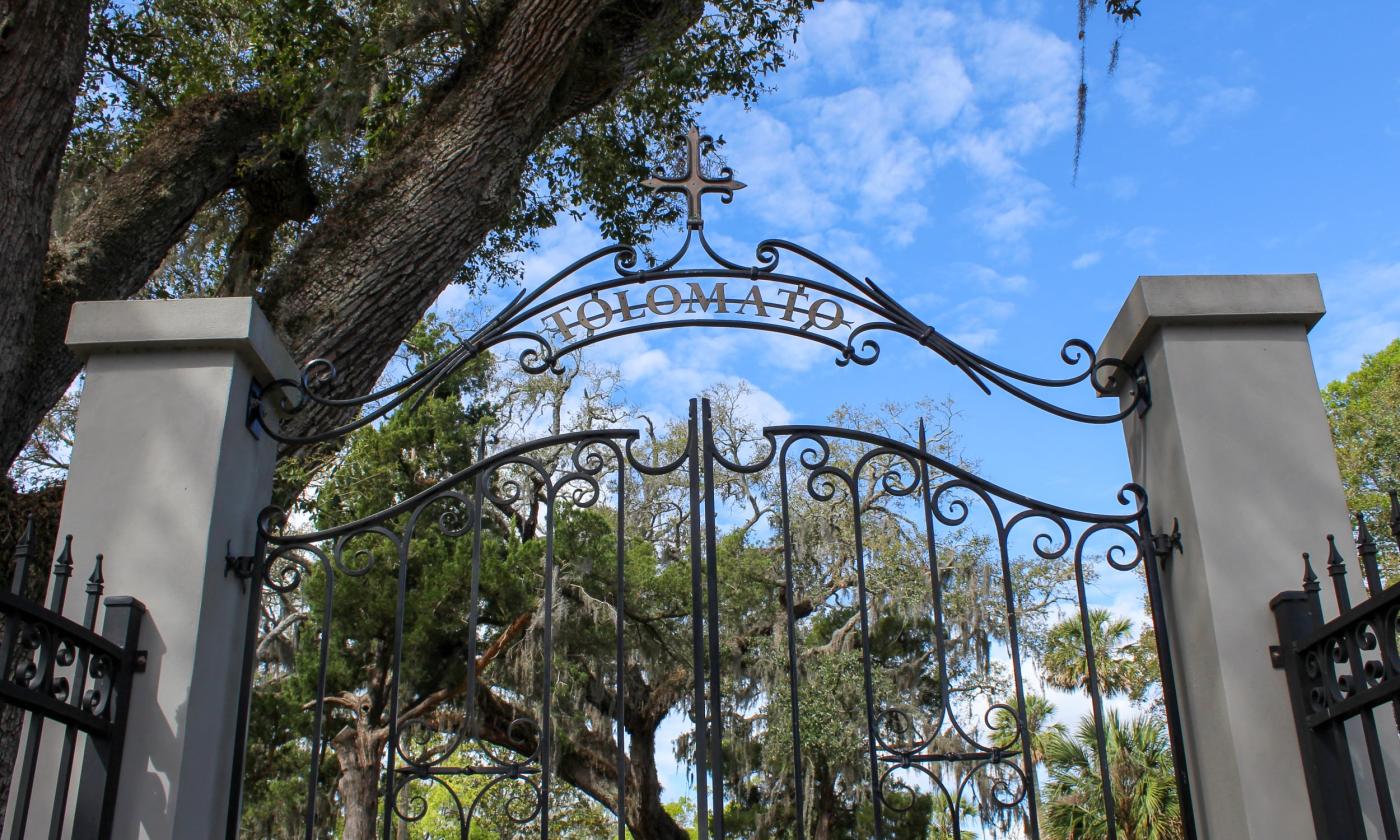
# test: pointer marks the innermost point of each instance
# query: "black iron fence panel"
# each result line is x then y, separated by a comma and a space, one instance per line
817, 633
67, 676
1342, 675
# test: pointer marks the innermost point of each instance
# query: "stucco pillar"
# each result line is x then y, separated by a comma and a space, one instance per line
165, 480
1235, 445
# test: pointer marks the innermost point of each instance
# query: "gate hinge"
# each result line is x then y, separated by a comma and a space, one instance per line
241, 567
1163, 544
253, 418
1144, 387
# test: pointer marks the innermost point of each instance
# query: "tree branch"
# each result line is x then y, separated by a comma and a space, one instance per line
359, 281
119, 240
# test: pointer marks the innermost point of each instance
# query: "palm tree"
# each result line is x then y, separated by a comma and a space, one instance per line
1140, 769
1123, 663
1039, 711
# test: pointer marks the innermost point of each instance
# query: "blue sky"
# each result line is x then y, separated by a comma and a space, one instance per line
929, 146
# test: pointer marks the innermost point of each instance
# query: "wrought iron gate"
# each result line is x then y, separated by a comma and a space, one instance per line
855, 634
1340, 673
74, 681
900, 526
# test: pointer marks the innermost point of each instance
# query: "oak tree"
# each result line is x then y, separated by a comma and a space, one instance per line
342, 162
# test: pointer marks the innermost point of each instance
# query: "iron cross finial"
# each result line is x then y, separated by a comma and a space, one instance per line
694, 183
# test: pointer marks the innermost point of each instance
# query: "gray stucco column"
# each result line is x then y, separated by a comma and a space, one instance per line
165, 480
1236, 446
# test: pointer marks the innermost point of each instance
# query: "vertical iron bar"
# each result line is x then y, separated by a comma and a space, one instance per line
318, 717
1312, 588
1327, 767
474, 608
547, 723
1395, 535
789, 597
1336, 567
620, 689
62, 571
392, 745
697, 631
43, 679
102, 760
75, 697
1095, 696
1366, 551
24, 775
1337, 570
867, 667
936, 581
1166, 669
245, 689
1013, 643
712, 586
1378, 773
23, 555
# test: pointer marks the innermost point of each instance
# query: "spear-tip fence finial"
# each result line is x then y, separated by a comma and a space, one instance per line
63, 563
1366, 550
1310, 583
95, 580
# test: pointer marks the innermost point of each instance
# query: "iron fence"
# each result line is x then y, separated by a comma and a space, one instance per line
859, 592
1341, 673
68, 677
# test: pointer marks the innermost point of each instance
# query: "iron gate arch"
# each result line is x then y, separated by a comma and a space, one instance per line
511, 740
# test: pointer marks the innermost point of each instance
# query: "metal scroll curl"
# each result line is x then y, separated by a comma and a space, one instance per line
934, 745
569, 312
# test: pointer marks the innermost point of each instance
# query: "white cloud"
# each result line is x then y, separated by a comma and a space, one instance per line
992, 281
779, 167
976, 323
1143, 239
1363, 316
1087, 259
1010, 207
1123, 187
880, 97
1190, 105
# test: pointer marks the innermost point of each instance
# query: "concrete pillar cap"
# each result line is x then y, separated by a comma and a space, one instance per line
1156, 301
126, 326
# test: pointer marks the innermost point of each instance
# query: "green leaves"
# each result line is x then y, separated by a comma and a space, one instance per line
1126, 666
1364, 413
1140, 773
351, 81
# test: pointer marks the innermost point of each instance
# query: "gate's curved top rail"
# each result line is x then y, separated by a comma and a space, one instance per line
835, 308
589, 464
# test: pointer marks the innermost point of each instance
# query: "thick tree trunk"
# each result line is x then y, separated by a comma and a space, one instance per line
647, 818
122, 236
382, 254
825, 806
587, 761
359, 749
379, 258
42, 43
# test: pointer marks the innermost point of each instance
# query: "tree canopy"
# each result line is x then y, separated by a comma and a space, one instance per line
344, 163
1364, 412
413, 451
